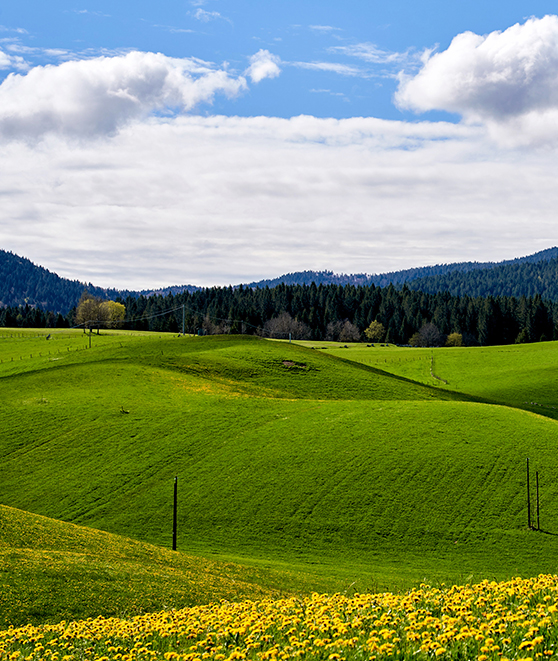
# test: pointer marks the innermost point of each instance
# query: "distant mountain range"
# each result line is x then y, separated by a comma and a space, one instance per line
24, 283
400, 277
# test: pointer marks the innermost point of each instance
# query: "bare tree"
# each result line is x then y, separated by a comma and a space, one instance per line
215, 326
428, 336
349, 333
333, 330
284, 325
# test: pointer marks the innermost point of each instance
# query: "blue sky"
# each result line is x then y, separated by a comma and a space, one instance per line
220, 141
300, 33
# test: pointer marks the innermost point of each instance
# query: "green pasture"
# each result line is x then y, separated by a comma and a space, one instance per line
312, 468
52, 570
519, 375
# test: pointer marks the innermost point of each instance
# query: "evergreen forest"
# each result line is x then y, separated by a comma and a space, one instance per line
485, 304
324, 312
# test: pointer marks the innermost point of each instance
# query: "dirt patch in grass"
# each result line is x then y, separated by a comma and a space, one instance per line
290, 364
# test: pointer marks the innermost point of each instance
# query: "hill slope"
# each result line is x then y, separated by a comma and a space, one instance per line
53, 570
522, 376
22, 283
284, 455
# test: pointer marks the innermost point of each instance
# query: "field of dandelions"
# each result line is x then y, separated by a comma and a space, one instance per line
516, 619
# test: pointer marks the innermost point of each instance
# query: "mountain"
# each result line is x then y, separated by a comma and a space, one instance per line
24, 283
165, 291
400, 277
525, 277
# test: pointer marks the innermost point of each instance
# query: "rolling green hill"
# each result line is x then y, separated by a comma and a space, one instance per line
522, 376
52, 570
287, 457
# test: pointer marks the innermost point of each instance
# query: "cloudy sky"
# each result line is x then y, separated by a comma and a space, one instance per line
213, 142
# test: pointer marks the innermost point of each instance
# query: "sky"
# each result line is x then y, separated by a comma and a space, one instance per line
214, 142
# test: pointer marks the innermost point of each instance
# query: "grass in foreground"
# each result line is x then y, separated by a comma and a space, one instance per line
52, 571
512, 620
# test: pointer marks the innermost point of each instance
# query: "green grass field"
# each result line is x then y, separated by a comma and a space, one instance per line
522, 376
330, 469
52, 570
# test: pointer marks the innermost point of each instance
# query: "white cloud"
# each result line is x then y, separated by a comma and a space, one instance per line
324, 28
496, 78
326, 91
334, 67
371, 53
219, 200
206, 16
97, 96
162, 197
263, 65
12, 62
3, 28
175, 30
90, 13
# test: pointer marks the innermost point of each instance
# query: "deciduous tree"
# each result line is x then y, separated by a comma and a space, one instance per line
349, 333
375, 332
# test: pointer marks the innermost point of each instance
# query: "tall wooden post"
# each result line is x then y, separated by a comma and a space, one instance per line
537, 479
175, 511
528, 497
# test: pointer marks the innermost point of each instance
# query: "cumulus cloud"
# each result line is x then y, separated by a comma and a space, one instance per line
98, 96
263, 65
5, 61
496, 77
12, 62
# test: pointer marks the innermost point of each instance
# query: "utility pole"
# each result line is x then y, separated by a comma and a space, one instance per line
175, 511
528, 497
183, 318
538, 522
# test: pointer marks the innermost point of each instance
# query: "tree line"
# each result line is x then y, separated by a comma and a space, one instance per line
326, 312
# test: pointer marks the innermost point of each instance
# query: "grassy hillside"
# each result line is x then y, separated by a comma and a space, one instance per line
520, 375
286, 456
52, 570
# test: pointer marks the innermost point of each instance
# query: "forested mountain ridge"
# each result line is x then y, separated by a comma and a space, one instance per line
512, 279
418, 274
24, 283
321, 312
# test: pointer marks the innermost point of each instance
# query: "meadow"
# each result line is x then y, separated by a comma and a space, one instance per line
512, 620
522, 376
52, 571
307, 469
